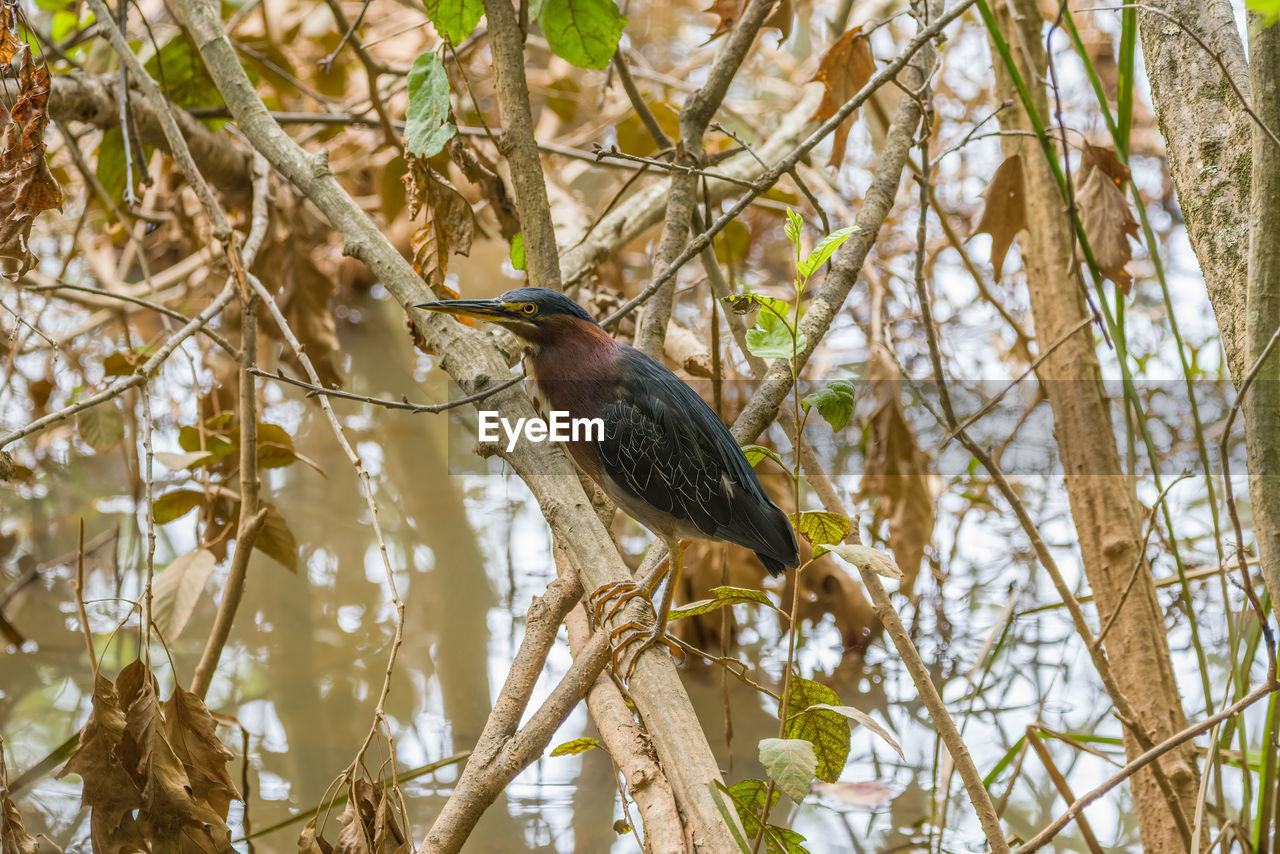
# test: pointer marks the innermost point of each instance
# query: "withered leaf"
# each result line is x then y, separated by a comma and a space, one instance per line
1105, 214
729, 11
108, 785
171, 809
368, 825
192, 732
1005, 211
27, 187
448, 226
897, 472
14, 838
843, 70
10, 41
311, 842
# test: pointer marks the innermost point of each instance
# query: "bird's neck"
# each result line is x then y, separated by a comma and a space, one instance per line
572, 375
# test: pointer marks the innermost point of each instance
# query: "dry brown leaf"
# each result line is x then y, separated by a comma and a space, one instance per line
1005, 211
1105, 214
728, 11
368, 826
897, 472
311, 842
843, 70
192, 732
14, 838
10, 41
27, 187
448, 225
136, 785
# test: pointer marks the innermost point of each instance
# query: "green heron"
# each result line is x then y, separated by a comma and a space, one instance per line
666, 458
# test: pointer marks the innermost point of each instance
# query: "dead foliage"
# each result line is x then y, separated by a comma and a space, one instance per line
1004, 213
896, 472
843, 70
367, 826
1104, 212
27, 187
152, 771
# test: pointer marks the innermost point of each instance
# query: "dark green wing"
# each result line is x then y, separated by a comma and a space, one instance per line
664, 445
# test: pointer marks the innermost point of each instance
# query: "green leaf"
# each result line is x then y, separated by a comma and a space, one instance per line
176, 590
517, 251
863, 718
732, 243
825, 249
756, 453
723, 596
835, 403
276, 541
175, 505
748, 800
820, 527
791, 763
101, 426
576, 746
454, 19
1268, 9
216, 448
773, 337
825, 729
715, 786
181, 73
584, 32
427, 127
275, 447
795, 225
863, 557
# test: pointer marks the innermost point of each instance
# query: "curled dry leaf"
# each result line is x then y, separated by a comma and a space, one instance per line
897, 472
27, 187
1004, 213
843, 70
448, 226
14, 838
1105, 214
368, 825
10, 40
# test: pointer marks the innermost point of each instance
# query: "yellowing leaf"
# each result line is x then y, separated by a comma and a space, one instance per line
1005, 211
825, 729
820, 527
576, 746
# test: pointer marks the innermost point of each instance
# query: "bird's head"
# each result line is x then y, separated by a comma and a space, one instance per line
538, 316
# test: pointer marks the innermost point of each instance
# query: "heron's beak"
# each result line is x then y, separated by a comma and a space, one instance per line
482, 309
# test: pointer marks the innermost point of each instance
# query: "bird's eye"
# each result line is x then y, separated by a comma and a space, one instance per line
529, 308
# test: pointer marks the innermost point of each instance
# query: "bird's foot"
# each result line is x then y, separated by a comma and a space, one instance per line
617, 592
646, 637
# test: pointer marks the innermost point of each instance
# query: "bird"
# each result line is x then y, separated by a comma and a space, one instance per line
665, 458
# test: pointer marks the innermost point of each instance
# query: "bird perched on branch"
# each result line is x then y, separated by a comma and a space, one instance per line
665, 458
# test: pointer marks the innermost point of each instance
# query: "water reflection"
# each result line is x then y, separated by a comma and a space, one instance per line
308, 652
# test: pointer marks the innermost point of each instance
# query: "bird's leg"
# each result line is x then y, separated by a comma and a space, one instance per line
622, 592
658, 634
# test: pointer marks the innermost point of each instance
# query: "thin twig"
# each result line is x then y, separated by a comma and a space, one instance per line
316, 389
